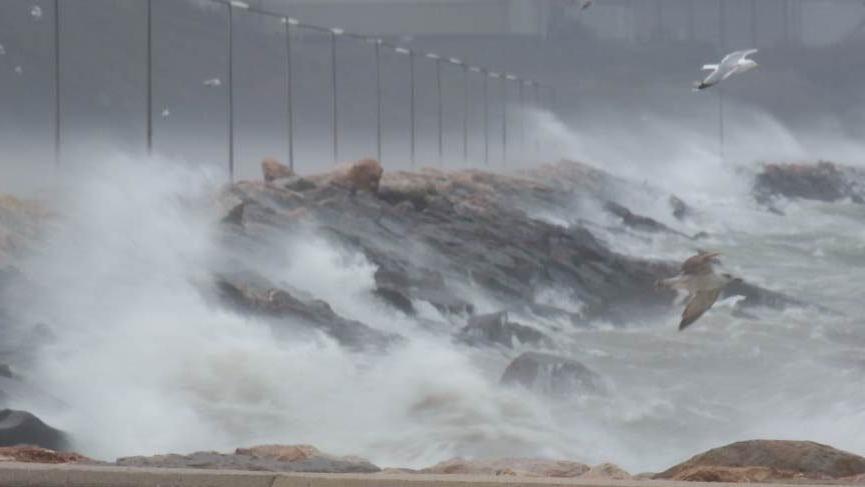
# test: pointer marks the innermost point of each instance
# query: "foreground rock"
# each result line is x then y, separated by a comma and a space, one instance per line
23, 428
34, 454
552, 375
606, 471
824, 181
765, 460
274, 458
522, 467
251, 294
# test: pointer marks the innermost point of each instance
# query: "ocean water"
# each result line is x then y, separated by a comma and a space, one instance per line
143, 364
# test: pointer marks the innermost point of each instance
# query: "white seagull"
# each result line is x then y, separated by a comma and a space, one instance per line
733, 63
704, 286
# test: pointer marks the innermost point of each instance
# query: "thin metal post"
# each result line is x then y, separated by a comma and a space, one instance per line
522, 114
149, 77
334, 107
505, 120
289, 73
412, 114
231, 92
486, 118
466, 115
57, 140
440, 110
378, 97
721, 143
754, 24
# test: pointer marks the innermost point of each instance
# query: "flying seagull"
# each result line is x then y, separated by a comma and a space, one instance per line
733, 63
702, 283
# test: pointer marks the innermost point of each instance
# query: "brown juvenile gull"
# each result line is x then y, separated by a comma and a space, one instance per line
702, 283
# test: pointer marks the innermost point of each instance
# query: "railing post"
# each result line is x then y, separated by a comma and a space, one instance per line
412, 109
149, 101
378, 98
334, 101
230, 88
466, 115
486, 118
289, 73
57, 113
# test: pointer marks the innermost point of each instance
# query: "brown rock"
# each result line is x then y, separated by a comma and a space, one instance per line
733, 474
363, 175
273, 170
282, 453
522, 467
34, 454
606, 471
805, 458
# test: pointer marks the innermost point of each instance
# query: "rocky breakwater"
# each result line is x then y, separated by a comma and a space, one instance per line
439, 238
823, 181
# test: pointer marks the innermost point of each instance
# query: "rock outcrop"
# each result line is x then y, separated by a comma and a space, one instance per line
552, 375
606, 471
824, 181
521, 467
34, 454
768, 459
272, 170
274, 458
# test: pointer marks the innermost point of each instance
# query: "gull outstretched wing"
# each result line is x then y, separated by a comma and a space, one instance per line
700, 303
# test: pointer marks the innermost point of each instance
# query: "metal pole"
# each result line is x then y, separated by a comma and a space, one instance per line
334, 107
231, 92
522, 102
378, 97
440, 110
149, 77
57, 82
412, 113
289, 72
721, 123
505, 120
754, 24
486, 118
466, 115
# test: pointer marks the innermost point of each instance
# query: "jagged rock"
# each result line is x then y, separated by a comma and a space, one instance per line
638, 222
274, 458
34, 454
606, 471
272, 170
552, 375
363, 175
805, 458
496, 329
522, 467
824, 181
253, 294
23, 428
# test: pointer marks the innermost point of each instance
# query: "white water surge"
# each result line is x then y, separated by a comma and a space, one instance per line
146, 365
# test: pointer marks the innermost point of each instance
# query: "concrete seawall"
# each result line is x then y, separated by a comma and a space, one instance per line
33, 475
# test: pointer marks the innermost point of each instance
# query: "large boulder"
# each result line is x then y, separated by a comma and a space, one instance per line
497, 329
552, 375
23, 428
824, 181
804, 458
606, 471
272, 170
522, 467
274, 458
34, 454
363, 175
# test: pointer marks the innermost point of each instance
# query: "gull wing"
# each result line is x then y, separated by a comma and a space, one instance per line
710, 67
700, 263
697, 306
733, 58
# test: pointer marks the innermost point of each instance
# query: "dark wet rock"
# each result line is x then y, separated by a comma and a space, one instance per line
252, 294
294, 183
680, 209
803, 458
23, 428
824, 181
497, 329
235, 215
517, 467
639, 222
552, 375
272, 458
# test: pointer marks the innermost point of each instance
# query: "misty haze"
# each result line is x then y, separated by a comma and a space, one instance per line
608, 240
